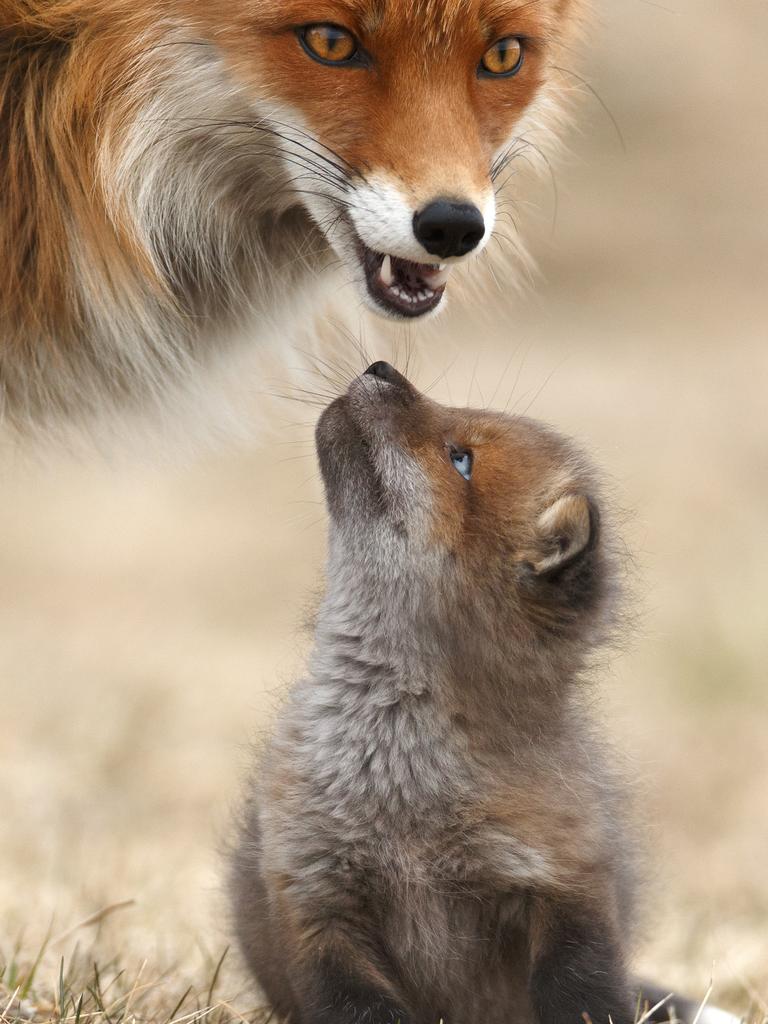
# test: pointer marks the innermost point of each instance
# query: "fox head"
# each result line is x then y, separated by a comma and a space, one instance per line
175, 170
395, 120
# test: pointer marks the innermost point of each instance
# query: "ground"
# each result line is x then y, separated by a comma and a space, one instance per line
150, 614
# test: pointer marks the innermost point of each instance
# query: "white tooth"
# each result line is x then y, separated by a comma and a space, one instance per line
436, 278
423, 296
385, 274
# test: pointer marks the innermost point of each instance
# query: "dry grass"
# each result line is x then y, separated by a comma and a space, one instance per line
87, 987
149, 616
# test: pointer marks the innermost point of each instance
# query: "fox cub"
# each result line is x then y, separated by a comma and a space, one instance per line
435, 832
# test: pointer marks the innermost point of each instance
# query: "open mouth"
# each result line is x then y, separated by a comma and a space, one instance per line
401, 286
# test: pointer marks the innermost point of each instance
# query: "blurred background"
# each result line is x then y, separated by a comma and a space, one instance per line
151, 609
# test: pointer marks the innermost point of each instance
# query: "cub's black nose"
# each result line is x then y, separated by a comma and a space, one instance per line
446, 228
384, 371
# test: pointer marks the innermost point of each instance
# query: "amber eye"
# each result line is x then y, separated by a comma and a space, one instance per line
504, 58
329, 44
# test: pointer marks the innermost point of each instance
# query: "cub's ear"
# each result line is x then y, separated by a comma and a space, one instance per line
565, 534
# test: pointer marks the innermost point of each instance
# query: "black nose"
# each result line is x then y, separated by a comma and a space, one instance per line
446, 228
384, 371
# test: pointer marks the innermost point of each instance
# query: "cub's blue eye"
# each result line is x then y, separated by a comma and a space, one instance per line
462, 462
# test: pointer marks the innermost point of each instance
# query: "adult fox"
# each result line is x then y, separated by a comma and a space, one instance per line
174, 173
